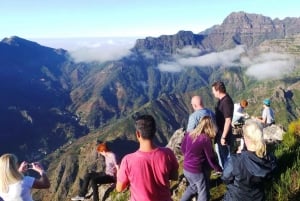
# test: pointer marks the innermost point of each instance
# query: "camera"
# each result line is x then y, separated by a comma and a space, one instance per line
29, 166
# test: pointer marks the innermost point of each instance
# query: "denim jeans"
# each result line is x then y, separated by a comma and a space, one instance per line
198, 185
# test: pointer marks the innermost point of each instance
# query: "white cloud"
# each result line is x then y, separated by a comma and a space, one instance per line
148, 55
264, 66
92, 49
269, 65
189, 51
225, 58
170, 67
102, 50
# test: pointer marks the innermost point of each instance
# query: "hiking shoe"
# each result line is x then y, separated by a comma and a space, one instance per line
217, 174
77, 198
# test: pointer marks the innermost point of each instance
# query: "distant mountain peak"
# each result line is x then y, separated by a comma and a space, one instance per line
17, 41
240, 18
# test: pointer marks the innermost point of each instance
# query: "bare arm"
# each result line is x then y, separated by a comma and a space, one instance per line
120, 186
43, 181
225, 130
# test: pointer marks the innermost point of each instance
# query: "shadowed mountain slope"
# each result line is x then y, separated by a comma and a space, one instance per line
35, 88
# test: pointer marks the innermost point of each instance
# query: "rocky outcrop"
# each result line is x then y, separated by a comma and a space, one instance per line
243, 28
273, 133
250, 30
170, 43
288, 45
175, 142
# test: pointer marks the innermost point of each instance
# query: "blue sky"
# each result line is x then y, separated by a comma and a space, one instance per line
79, 24
123, 18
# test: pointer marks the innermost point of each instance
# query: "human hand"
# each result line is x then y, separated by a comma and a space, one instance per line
239, 150
223, 141
23, 167
36, 166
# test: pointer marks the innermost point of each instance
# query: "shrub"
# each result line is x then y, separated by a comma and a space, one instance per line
286, 183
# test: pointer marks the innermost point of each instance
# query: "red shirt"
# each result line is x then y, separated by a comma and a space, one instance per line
148, 174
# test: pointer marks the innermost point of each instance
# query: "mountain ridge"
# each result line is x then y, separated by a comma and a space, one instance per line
65, 106
97, 94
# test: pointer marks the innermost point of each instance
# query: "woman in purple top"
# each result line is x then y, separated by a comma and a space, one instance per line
198, 153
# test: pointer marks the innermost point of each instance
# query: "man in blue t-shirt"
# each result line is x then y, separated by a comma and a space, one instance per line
199, 112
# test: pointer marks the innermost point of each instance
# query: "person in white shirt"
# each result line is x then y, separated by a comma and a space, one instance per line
14, 186
238, 120
268, 117
238, 112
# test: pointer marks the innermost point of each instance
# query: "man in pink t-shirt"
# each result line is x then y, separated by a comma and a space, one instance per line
148, 170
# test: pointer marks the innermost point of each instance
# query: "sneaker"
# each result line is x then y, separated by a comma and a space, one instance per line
217, 174
77, 198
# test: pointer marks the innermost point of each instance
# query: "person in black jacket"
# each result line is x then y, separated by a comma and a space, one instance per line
245, 173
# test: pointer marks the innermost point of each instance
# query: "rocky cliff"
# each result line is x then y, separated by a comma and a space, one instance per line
237, 28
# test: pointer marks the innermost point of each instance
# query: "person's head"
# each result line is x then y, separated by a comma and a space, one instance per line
205, 126
218, 89
267, 102
253, 136
244, 103
145, 125
9, 173
102, 147
197, 102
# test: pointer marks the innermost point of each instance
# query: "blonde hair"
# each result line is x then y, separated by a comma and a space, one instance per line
9, 173
205, 126
253, 131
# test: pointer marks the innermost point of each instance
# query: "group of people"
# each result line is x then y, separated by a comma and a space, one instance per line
266, 119
148, 171
243, 172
